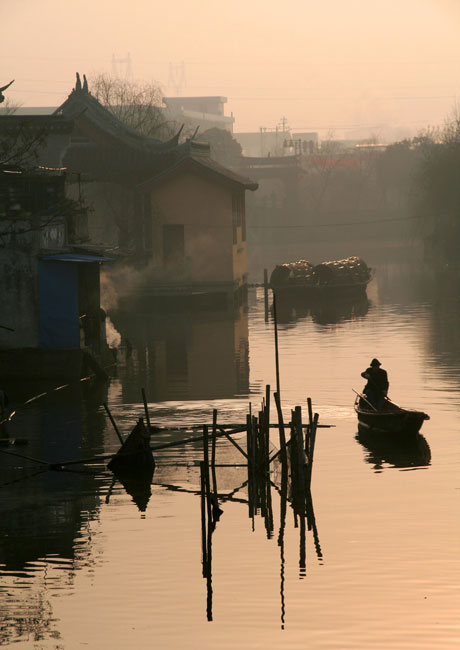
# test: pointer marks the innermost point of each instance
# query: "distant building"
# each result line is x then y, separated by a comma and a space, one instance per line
203, 112
28, 110
276, 142
261, 143
302, 143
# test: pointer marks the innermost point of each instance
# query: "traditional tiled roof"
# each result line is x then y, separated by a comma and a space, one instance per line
195, 156
112, 151
100, 125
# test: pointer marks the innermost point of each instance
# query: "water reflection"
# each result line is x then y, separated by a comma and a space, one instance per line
43, 512
258, 489
55, 526
138, 484
231, 481
322, 311
404, 452
183, 354
437, 293
43, 508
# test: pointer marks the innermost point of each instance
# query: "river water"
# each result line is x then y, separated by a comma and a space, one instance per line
83, 566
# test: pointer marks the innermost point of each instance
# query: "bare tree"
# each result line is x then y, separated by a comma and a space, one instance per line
139, 105
20, 143
9, 107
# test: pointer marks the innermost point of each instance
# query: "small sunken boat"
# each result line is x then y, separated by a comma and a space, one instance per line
391, 419
135, 454
347, 277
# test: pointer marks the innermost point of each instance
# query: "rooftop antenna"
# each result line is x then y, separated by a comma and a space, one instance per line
177, 79
122, 67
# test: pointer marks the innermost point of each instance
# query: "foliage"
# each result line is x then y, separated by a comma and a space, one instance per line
9, 107
20, 143
224, 148
136, 104
438, 197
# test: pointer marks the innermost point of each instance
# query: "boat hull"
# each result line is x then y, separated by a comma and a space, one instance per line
396, 421
135, 453
404, 424
318, 291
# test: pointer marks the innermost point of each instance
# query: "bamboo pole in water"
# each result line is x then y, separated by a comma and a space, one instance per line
282, 434
177, 443
266, 294
235, 444
213, 452
300, 445
312, 448
249, 443
276, 345
203, 516
114, 424
206, 471
147, 417
309, 428
267, 425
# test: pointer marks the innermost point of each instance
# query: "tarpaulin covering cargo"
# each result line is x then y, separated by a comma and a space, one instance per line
347, 272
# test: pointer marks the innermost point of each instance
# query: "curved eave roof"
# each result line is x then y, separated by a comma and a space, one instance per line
204, 166
100, 124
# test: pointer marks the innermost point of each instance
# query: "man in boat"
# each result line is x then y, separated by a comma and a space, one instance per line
377, 385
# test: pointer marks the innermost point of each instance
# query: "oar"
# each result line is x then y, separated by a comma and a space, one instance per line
391, 402
363, 398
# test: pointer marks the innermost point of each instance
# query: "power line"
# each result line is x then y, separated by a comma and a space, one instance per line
335, 225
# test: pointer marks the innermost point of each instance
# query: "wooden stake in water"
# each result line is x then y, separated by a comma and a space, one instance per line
114, 424
206, 472
266, 294
312, 448
203, 516
309, 428
282, 434
147, 418
213, 452
276, 346
267, 422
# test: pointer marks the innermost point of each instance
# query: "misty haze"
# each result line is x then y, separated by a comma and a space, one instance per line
229, 355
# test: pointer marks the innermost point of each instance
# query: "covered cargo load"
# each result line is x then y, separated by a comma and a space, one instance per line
292, 273
352, 271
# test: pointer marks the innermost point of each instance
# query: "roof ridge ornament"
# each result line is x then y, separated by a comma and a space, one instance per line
2, 97
79, 86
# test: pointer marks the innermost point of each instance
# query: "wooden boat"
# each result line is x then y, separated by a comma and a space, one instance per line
135, 453
391, 419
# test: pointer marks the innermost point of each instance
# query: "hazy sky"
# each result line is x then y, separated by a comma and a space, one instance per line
388, 66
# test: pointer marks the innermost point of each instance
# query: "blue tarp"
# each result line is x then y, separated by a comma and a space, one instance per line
75, 257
